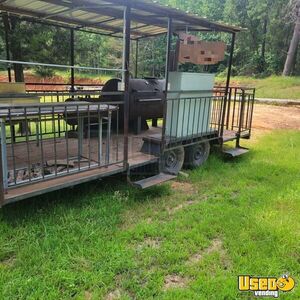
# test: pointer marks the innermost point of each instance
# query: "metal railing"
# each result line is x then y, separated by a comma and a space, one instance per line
48, 87
239, 109
90, 139
193, 118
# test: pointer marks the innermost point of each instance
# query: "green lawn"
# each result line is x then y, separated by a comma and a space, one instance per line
104, 240
275, 87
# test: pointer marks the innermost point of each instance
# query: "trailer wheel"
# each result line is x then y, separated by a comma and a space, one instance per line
173, 160
196, 155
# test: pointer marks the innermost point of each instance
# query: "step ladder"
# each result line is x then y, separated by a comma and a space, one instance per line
153, 180
234, 152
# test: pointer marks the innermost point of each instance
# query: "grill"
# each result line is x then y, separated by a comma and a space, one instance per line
146, 101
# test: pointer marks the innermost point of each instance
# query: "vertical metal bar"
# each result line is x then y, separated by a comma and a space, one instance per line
117, 135
41, 146
183, 115
54, 140
177, 119
203, 114
67, 139
227, 82
251, 114
89, 135
171, 120
167, 68
228, 108
80, 135
126, 61
108, 137
195, 105
72, 60
247, 114
2, 189
99, 140
241, 118
27, 143
198, 114
234, 109
12, 146
136, 58
188, 123
59, 130
4, 154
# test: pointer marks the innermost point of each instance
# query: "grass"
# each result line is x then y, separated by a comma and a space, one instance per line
274, 87
104, 238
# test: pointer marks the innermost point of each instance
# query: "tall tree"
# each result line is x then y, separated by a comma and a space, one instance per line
12, 26
291, 55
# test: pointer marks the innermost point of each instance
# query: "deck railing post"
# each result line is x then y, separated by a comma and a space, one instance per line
241, 120
251, 112
167, 68
3, 169
126, 56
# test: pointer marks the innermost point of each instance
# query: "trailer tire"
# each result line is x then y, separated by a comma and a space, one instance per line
196, 155
173, 160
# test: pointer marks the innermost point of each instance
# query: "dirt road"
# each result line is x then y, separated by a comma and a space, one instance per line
269, 117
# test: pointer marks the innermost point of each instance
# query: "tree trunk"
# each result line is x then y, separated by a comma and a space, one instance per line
11, 25
291, 56
16, 49
263, 46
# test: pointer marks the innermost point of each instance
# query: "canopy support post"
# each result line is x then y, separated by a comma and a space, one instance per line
227, 84
72, 60
126, 60
167, 69
136, 58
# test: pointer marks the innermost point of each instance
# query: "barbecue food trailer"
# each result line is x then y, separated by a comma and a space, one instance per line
129, 122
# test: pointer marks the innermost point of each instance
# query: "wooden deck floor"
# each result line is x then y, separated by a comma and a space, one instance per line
26, 156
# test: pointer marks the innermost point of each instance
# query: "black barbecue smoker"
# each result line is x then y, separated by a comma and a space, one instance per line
76, 133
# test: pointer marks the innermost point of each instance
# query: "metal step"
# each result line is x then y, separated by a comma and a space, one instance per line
233, 152
154, 180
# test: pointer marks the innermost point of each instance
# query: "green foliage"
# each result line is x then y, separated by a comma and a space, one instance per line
273, 87
44, 71
259, 50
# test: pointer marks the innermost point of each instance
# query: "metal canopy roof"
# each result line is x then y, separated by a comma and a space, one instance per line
106, 17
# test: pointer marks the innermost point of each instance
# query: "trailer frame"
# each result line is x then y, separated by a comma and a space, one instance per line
116, 19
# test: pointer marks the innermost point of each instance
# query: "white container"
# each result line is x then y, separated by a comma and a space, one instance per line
190, 114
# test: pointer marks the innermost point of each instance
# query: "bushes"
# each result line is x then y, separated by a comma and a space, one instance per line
44, 71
